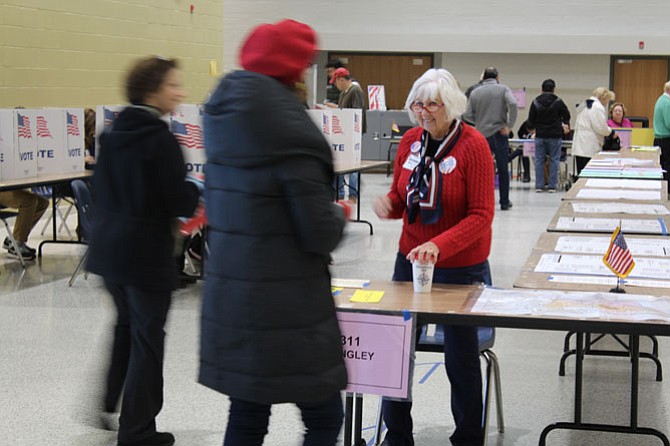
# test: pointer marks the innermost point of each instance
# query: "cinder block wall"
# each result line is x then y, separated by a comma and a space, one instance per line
75, 52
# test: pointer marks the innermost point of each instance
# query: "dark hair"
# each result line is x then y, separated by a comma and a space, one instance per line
549, 85
146, 76
490, 73
335, 63
89, 127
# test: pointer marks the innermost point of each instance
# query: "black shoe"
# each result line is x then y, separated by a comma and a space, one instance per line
506, 207
526, 179
26, 251
157, 439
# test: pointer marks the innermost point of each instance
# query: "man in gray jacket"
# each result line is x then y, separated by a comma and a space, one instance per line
492, 109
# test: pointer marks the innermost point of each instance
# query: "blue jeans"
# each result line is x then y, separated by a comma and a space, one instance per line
499, 145
353, 185
248, 422
461, 359
547, 148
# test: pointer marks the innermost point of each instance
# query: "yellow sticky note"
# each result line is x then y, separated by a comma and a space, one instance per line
212, 68
366, 296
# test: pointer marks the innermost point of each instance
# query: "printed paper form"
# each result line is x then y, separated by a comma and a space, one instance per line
610, 281
573, 304
622, 172
645, 267
598, 245
618, 208
628, 225
349, 283
609, 183
619, 194
616, 162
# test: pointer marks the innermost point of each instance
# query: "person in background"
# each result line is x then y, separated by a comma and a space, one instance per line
89, 138
269, 332
618, 116
525, 133
662, 130
550, 118
450, 161
351, 96
492, 109
591, 127
332, 92
31, 207
140, 188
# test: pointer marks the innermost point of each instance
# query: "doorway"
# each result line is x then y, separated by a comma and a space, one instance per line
395, 71
638, 82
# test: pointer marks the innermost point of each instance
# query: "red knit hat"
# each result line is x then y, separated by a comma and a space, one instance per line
280, 50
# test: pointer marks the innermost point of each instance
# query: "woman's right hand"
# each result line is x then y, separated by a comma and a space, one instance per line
382, 206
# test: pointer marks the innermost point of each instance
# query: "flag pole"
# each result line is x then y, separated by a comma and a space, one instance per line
618, 288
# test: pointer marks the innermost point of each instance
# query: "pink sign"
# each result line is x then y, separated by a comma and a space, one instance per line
529, 148
520, 96
376, 350
624, 136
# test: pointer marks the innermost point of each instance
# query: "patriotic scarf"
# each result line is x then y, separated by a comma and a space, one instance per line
424, 190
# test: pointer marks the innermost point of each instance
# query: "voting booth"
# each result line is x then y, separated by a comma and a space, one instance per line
342, 128
18, 144
186, 126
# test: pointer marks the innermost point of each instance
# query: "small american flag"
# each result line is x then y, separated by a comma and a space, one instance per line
618, 257
24, 126
337, 127
42, 128
188, 135
72, 124
109, 116
324, 124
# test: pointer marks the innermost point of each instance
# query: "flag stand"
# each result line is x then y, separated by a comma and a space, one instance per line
618, 288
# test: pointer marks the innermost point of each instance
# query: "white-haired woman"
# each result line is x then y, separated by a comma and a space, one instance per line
591, 127
443, 190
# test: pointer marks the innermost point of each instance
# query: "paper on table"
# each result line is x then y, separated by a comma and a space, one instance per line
366, 296
609, 183
657, 247
617, 208
349, 283
619, 194
628, 225
645, 267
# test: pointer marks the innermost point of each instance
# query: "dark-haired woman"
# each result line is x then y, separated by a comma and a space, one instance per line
140, 189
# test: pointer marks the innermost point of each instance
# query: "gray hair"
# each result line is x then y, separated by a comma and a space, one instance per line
437, 84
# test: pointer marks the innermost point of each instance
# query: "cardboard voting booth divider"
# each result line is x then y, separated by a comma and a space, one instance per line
342, 128
74, 132
186, 125
51, 141
7, 143
25, 151
104, 118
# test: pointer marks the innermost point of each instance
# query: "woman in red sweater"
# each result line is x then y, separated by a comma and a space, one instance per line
443, 190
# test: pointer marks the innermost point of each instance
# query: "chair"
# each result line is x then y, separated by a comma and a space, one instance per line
434, 342
4, 215
50, 193
82, 195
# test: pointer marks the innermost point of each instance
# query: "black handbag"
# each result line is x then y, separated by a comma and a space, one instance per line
612, 143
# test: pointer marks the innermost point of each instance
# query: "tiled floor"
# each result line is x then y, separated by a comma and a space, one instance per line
54, 343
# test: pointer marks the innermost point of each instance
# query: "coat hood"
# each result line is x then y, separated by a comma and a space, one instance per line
546, 99
134, 123
252, 119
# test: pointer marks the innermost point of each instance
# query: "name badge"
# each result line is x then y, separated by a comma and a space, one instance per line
411, 162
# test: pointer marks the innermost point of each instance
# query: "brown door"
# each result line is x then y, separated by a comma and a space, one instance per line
396, 72
638, 83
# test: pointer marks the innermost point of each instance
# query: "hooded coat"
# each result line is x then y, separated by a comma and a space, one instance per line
139, 191
269, 332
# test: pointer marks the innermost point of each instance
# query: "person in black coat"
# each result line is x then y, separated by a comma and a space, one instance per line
269, 332
140, 190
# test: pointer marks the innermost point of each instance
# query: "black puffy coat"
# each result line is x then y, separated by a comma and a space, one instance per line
139, 191
269, 331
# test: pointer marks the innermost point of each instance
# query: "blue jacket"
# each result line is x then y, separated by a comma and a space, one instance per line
269, 331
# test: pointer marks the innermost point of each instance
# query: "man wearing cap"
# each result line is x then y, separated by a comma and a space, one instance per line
492, 108
351, 96
332, 93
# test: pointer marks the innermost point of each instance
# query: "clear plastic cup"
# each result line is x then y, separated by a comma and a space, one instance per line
422, 275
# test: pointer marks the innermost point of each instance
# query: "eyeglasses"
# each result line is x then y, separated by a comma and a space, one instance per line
431, 107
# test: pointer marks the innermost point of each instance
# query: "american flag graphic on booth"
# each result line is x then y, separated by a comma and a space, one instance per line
337, 126
23, 124
188, 135
43, 128
324, 124
357, 123
72, 124
109, 116
618, 257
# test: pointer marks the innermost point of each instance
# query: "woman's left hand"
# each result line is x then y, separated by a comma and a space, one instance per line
428, 252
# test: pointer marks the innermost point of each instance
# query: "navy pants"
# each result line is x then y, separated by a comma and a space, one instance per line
461, 359
499, 145
248, 422
136, 367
